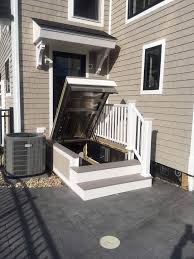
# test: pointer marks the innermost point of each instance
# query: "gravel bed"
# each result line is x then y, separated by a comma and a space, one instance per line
32, 182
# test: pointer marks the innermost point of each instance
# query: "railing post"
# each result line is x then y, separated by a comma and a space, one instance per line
146, 151
131, 126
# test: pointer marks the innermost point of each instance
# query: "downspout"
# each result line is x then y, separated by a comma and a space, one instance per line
16, 64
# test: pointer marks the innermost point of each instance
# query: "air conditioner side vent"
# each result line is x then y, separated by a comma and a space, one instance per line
25, 154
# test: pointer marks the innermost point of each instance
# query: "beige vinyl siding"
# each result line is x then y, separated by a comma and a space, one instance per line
5, 54
172, 111
34, 82
57, 12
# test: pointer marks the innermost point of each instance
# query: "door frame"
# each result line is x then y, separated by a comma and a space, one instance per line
65, 50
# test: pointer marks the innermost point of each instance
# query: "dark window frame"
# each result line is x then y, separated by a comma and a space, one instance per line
149, 54
147, 6
80, 16
7, 77
155, 68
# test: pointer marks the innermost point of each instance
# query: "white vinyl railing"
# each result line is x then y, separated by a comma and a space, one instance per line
123, 124
112, 124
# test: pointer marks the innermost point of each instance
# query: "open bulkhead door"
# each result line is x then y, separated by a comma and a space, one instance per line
80, 105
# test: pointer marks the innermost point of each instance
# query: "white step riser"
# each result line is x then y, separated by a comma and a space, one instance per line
73, 186
104, 174
115, 189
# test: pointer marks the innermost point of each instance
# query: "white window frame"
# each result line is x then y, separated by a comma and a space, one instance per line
148, 46
149, 10
99, 23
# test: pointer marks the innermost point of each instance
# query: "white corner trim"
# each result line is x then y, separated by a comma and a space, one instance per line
16, 65
191, 158
149, 10
99, 23
147, 46
110, 18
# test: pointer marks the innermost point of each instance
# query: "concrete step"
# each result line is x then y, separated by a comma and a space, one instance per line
101, 188
105, 171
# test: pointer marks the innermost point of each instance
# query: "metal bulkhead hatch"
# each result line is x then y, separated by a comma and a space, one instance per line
79, 108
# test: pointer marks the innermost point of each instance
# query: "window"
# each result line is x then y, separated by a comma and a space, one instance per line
7, 77
90, 12
153, 68
137, 6
88, 9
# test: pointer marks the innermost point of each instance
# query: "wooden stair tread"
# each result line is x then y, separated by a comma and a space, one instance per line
105, 166
112, 181
111, 144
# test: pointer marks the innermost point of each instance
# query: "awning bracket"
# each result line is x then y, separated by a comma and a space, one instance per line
40, 48
100, 60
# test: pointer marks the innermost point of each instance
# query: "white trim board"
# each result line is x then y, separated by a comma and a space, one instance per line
191, 158
145, 47
98, 23
85, 81
16, 65
110, 18
149, 10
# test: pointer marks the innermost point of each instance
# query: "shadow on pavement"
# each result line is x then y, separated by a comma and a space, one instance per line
23, 233
188, 236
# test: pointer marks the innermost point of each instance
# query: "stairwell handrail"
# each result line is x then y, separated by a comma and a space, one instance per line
125, 125
141, 136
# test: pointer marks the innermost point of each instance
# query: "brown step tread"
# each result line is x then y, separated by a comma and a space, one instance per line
111, 144
112, 181
105, 166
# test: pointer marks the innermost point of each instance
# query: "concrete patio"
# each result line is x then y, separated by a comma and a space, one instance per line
54, 223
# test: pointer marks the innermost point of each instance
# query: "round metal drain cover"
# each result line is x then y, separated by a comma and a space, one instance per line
110, 242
